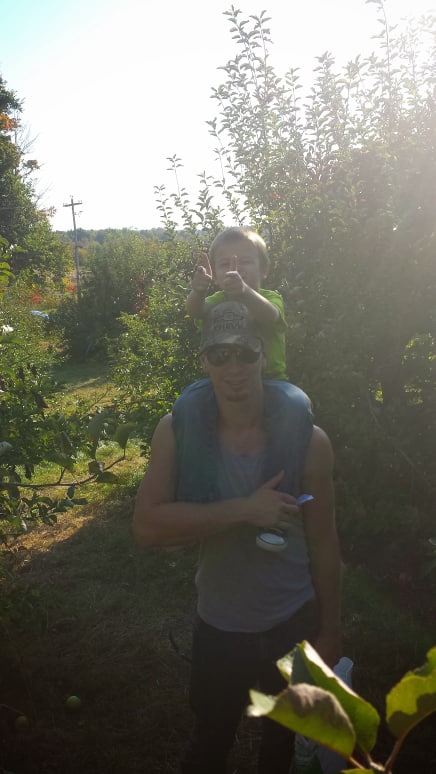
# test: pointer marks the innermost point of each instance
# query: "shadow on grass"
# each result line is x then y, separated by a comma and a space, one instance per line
90, 616
79, 376
85, 612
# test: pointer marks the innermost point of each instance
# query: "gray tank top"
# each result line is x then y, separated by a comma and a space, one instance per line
240, 587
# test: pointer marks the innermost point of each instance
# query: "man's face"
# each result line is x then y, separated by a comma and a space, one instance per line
240, 255
234, 372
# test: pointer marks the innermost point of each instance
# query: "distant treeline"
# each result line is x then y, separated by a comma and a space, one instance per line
86, 236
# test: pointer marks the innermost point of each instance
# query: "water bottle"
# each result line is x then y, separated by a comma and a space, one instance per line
274, 540
305, 756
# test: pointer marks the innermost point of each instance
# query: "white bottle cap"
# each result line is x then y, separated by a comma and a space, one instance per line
271, 541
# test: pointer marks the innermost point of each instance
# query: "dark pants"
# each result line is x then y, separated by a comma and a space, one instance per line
225, 666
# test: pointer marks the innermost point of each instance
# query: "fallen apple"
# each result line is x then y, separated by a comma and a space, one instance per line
73, 703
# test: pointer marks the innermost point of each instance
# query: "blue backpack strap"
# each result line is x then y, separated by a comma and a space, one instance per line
288, 427
195, 428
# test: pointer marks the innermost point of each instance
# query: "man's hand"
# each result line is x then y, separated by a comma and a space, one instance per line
233, 284
329, 647
267, 507
202, 276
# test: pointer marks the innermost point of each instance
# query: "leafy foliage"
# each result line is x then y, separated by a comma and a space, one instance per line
24, 228
155, 358
37, 439
118, 278
5, 272
317, 704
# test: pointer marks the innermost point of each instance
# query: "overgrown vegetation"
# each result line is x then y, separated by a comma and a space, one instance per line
341, 183
48, 449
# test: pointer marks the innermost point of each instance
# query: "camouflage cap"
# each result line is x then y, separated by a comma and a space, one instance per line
230, 323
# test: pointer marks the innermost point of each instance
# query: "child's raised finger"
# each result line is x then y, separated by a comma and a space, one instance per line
234, 263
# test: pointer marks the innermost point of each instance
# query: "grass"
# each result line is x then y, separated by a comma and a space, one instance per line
86, 382
81, 377
84, 612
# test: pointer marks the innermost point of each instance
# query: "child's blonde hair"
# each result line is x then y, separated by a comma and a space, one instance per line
239, 233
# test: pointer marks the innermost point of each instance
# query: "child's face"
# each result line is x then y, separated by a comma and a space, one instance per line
241, 256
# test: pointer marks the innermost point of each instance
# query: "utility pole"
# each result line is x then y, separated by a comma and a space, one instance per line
76, 246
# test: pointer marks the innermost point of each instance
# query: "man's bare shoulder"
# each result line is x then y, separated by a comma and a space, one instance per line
320, 452
320, 438
164, 433
158, 479
166, 421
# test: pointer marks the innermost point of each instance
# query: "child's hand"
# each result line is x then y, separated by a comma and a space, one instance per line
233, 284
202, 276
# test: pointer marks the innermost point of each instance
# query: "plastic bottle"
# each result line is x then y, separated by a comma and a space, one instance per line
305, 756
312, 758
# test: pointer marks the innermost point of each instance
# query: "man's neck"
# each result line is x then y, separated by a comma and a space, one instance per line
241, 424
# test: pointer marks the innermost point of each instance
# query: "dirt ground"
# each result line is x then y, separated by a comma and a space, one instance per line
86, 613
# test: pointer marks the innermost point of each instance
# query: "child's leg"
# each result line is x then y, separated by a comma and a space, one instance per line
290, 390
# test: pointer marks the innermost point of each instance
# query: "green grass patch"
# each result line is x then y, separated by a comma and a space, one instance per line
77, 375
84, 385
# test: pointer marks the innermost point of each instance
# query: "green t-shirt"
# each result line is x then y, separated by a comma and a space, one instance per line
273, 334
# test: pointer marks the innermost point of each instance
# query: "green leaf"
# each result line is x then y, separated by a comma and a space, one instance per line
67, 503
413, 698
95, 467
294, 669
122, 434
107, 478
310, 711
66, 443
305, 665
61, 459
94, 430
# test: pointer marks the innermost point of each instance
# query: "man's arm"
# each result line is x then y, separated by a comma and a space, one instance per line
160, 521
323, 544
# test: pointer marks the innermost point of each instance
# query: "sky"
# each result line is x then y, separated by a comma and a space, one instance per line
112, 88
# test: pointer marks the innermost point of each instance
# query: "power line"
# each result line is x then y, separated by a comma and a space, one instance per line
73, 204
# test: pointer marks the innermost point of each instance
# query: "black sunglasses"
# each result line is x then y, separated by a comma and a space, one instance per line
221, 354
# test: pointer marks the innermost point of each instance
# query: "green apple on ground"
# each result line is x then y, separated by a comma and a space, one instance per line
73, 703
21, 723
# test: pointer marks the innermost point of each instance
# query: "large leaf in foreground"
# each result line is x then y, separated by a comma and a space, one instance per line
310, 711
305, 665
359, 771
413, 698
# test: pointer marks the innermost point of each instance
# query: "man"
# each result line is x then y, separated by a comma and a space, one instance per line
235, 465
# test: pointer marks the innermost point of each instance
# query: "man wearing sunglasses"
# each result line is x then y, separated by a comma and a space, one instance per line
215, 478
